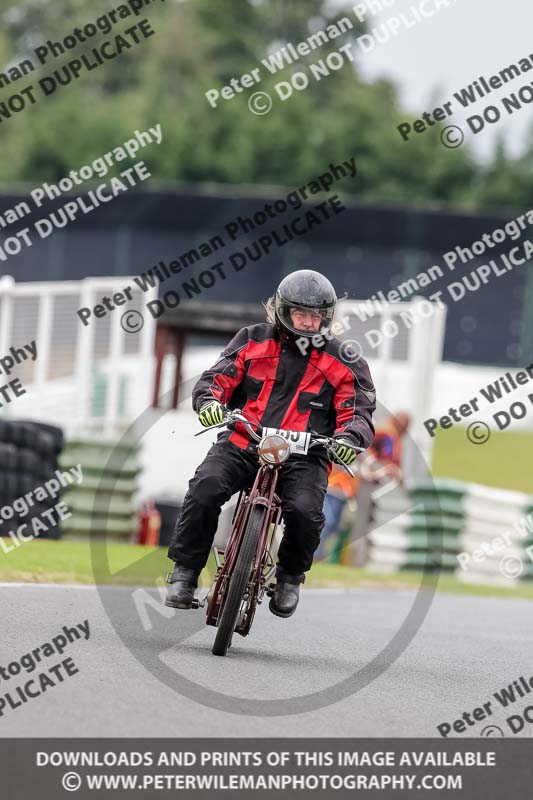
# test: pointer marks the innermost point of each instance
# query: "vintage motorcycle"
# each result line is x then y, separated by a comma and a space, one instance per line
246, 565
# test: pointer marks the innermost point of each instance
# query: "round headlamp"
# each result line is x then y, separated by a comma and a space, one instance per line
273, 449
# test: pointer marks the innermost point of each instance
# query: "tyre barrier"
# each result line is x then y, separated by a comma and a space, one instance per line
28, 458
103, 503
53, 435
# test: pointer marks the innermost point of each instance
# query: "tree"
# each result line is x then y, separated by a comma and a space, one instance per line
202, 45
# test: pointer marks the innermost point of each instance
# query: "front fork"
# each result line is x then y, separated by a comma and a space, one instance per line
262, 493
264, 567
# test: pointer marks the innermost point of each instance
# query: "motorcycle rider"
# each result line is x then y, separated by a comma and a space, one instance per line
288, 372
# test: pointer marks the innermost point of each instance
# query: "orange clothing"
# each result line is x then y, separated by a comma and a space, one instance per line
386, 447
342, 483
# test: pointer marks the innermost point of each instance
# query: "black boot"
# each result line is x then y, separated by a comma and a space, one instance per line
286, 593
183, 581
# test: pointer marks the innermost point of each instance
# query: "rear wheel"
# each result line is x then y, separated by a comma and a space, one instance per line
237, 584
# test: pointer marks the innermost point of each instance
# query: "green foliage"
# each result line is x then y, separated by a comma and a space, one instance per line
201, 45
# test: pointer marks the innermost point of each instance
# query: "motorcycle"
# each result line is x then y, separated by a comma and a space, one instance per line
246, 565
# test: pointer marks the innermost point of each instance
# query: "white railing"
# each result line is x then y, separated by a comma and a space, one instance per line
75, 361
101, 375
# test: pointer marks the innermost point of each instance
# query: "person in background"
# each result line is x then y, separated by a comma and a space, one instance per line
387, 447
385, 455
341, 488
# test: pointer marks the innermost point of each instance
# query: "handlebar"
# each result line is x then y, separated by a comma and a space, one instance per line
237, 416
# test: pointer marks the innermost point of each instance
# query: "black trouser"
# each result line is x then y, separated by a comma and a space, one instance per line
227, 469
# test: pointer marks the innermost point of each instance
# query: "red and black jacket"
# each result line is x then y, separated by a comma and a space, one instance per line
273, 382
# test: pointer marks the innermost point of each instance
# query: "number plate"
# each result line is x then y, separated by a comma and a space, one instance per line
298, 440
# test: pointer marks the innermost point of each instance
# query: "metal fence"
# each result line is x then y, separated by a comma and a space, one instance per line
94, 375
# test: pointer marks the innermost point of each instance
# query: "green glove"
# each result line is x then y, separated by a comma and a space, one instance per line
345, 452
211, 413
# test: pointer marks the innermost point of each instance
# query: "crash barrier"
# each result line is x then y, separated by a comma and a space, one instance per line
483, 534
417, 529
29, 485
103, 503
496, 541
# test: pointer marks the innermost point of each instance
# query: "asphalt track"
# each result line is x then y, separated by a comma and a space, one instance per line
466, 649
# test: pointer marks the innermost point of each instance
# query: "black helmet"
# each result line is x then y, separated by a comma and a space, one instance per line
307, 290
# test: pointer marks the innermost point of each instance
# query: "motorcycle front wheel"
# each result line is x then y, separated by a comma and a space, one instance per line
237, 583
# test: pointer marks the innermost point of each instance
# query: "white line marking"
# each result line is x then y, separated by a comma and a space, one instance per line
13, 584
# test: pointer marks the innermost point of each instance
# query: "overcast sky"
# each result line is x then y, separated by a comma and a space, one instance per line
448, 51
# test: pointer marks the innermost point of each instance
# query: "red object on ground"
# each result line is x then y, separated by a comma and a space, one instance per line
149, 524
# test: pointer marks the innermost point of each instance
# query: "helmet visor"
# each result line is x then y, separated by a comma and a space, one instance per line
304, 321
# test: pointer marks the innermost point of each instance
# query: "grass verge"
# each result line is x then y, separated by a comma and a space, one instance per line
504, 461
41, 561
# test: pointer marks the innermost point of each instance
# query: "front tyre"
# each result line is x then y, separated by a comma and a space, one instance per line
238, 581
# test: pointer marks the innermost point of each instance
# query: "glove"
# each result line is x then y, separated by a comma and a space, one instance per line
211, 413
344, 451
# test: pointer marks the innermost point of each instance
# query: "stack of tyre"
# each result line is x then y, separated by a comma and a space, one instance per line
28, 459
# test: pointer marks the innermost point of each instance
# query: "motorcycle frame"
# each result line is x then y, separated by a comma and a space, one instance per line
263, 492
